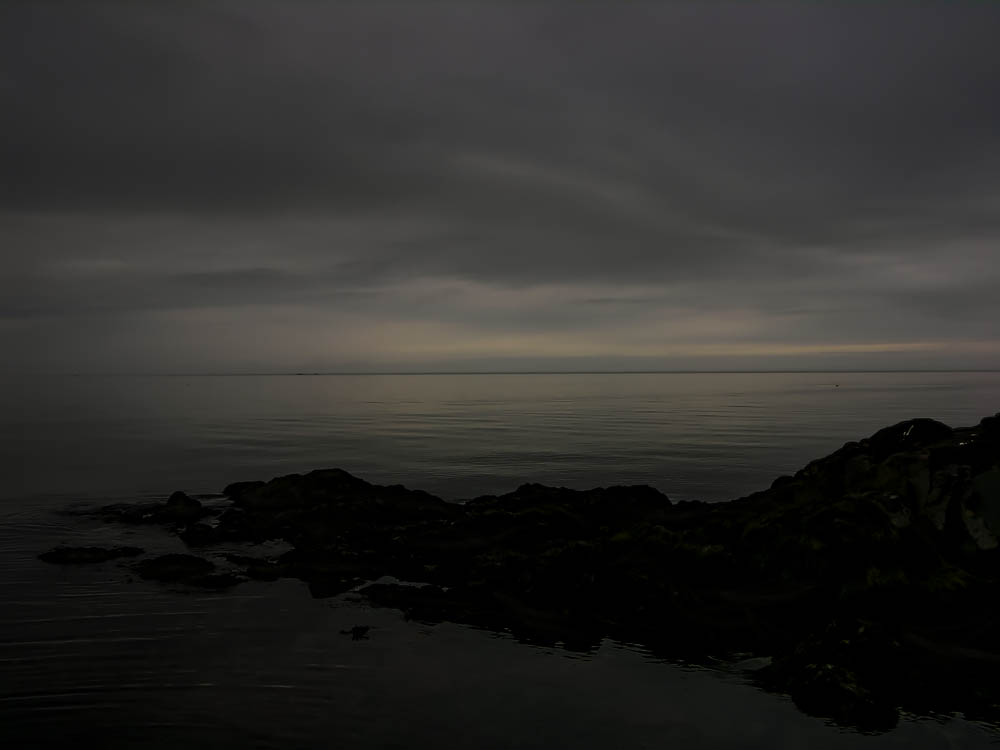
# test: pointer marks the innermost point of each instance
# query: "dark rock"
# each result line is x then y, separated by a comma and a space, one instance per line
186, 569
215, 580
991, 425
236, 489
894, 539
79, 555
131, 514
844, 672
180, 508
781, 481
832, 691
330, 586
181, 500
426, 603
199, 535
357, 633
908, 435
259, 568
174, 568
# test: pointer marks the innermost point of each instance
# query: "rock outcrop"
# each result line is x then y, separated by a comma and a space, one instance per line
178, 509
186, 569
868, 575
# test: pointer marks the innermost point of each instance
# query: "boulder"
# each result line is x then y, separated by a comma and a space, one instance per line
821, 571
180, 508
174, 568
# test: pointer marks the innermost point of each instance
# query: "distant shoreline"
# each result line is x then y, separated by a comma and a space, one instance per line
488, 372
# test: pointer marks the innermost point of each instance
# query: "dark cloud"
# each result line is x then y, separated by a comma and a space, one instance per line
830, 172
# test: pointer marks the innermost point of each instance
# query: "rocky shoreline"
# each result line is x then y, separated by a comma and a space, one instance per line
868, 578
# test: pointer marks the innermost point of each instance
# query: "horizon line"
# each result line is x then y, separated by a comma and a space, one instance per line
339, 373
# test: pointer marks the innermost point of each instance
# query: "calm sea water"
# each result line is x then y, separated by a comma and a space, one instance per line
89, 653
708, 436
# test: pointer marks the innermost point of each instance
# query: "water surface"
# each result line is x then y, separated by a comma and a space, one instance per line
709, 436
91, 654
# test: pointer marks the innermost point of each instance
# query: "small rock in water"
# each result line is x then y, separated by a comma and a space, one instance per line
358, 632
180, 507
186, 569
174, 567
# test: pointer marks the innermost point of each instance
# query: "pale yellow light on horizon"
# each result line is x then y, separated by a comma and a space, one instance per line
427, 340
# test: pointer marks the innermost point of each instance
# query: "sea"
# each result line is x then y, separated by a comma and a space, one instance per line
93, 654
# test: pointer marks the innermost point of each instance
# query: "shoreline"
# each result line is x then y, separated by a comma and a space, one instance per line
863, 576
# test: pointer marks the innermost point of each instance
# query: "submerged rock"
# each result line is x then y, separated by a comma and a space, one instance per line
179, 508
187, 569
174, 567
357, 633
215, 581
199, 535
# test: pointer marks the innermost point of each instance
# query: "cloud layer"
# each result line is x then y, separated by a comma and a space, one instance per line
263, 186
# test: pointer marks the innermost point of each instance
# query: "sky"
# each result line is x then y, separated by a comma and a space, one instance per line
433, 186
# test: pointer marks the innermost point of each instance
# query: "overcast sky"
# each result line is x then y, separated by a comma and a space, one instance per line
282, 186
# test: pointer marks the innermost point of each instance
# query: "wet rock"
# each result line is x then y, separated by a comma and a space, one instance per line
896, 532
180, 499
908, 436
427, 603
199, 535
82, 555
330, 586
991, 425
845, 672
832, 691
215, 581
981, 513
260, 569
188, 570
130, 513
357, 633
237, 489
174, 568
178, 509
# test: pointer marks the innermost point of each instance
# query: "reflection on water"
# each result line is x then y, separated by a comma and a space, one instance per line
87, 652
